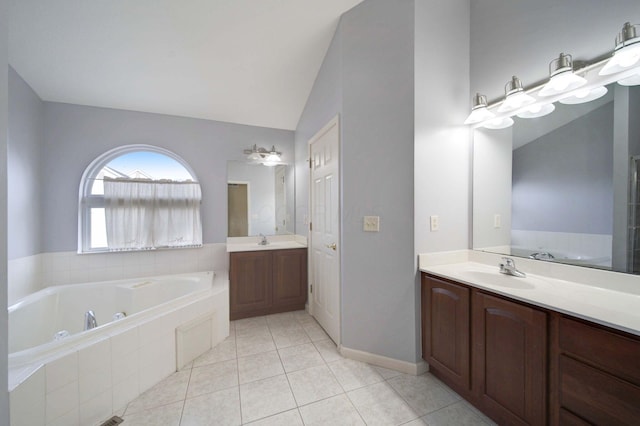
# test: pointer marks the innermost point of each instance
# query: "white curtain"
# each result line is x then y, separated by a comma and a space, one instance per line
152, 214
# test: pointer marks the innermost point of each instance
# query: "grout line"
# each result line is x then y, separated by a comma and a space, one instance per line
186, 392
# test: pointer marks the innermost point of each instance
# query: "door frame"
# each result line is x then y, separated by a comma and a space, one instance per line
248, 184
335, 121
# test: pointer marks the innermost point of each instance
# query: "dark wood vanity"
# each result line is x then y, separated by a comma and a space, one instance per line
267, 282
524, 365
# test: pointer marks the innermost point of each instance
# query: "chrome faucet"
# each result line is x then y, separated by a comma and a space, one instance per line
90, 320
263, 241
508, 267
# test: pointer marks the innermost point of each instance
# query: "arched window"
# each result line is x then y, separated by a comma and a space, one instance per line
138, 197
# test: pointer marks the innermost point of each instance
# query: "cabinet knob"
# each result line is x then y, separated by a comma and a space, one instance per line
331, 246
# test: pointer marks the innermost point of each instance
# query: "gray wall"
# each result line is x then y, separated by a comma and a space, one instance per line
521, 37
324, 102
75, 135
4, 112
563, 181
367, 77
26, 118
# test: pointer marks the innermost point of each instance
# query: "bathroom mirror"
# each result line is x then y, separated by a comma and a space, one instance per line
260, 199
563, 187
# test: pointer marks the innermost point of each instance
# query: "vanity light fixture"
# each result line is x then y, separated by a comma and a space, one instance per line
634, 80
626, 53
515, 97
537, 110
479, 112
498, 123
263, 156
562, 78
582, 96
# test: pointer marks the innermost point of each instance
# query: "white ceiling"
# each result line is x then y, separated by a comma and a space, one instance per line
241, 61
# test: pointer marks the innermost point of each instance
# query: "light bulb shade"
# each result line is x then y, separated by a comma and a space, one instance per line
498, 123
537, 110
515, 97
479, 112
626, 53
563, 79
582, 96
633, 80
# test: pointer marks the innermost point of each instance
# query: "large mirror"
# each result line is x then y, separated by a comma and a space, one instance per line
563, 187
260, 199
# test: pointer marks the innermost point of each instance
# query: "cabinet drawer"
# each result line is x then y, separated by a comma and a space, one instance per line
598, 397
607, 350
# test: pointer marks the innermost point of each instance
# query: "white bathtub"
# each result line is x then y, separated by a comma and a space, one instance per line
169, 321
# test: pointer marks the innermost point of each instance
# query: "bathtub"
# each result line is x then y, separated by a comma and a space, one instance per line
170, 320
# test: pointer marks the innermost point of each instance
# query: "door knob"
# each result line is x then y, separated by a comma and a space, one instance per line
331, 246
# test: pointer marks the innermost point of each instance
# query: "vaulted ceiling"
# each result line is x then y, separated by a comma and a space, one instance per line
241, 61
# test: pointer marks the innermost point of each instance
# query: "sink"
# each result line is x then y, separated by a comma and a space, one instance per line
500, 280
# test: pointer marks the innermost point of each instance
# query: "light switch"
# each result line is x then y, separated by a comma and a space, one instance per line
434, 223
372, 223
497, 221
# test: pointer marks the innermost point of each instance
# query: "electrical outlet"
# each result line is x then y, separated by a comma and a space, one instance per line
497, 221
372, 223
434, 223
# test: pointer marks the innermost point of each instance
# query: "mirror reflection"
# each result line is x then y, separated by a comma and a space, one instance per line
260, 199
563, 187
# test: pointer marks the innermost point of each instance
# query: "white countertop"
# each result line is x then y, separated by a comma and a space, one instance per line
275, 242
613, 304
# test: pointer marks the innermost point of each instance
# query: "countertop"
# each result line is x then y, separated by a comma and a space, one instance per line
612, 304
275, 242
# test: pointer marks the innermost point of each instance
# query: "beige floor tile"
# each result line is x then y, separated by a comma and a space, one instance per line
456, 414
423, 393
315, 332
285, 337
354, 374
213, 377
334, 411
219, 408
386, 373
313, 384
171, 389
328, 350
288, 418
223, 351
254, 344
416, 422
379, 404
300, 357
480, 414
260, 366
168, 415
265, 398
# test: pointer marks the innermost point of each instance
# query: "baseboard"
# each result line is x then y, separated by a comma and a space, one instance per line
385, 362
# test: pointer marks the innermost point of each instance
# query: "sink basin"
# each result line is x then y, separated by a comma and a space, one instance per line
500, 280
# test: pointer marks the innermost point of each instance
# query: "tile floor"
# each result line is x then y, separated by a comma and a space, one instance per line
283, 370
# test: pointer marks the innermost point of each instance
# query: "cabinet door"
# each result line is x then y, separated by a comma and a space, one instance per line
250, 276
445, 331
509, 360
290, 278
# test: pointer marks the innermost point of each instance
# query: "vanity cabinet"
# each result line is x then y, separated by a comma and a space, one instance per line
267, 282
509, 360
445, 329
595, 374
489, 349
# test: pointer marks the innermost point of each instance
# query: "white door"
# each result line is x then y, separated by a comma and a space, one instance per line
325, 228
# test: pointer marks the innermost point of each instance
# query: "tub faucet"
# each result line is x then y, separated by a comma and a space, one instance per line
90, 320
508, 267
263, 241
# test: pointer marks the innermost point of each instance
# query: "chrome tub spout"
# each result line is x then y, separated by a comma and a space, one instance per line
90, 320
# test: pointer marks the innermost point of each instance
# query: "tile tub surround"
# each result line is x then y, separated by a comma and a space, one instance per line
294, 383
603, 297
30, 274
92, 380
